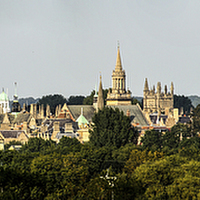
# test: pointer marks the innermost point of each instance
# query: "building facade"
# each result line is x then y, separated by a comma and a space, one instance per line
156, 100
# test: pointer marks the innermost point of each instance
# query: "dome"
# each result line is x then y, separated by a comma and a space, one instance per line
3, 96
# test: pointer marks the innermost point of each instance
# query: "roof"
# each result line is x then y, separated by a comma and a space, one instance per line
10, 117
22, 117
184, 119
82, 120
136, 113
15, 147
3, 96
11, 133
88, 111
62, 122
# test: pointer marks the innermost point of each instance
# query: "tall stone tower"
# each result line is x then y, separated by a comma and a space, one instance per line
157, 101
118, 95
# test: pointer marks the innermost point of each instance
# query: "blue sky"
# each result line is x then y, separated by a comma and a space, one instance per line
61, 46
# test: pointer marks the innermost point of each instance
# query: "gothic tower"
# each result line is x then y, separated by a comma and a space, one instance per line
118, 95
157, 101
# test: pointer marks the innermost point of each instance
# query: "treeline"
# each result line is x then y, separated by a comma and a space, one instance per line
111, 165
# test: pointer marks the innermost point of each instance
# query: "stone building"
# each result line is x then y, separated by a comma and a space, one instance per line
118, 94
4, 103
157, 101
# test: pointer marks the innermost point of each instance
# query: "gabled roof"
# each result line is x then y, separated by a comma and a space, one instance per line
11, 133
10, 117
22, 117
88, 111
136, 113
82, 120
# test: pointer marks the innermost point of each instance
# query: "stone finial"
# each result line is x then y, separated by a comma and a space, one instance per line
56, 111
48, 111
24, 107
159, 87
146, 86
172, 88
165, 89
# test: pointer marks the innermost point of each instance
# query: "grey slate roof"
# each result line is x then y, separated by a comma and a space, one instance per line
22, 117
11, 133
62, 123
88, 111
10, 117
136, 113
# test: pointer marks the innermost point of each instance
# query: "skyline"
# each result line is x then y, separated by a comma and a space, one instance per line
60, 47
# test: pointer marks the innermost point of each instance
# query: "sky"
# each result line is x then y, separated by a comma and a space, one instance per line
62, 46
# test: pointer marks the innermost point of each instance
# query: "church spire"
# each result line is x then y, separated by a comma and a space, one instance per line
100, 99
118, 66
15, 95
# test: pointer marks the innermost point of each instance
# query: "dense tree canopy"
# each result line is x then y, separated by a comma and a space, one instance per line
112, 128
75, 100
166, 166
180, 101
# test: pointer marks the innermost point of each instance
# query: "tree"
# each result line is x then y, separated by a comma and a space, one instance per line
67, 145
89, 99
155, 179
112, 128
184, 102
38, 145
61, 176
195, 125
52, 101
75, 100
138, 157
135, 101
152, 140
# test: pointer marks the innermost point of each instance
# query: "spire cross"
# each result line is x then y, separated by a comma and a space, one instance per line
118, 44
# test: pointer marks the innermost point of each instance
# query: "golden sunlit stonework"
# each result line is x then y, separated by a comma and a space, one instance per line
157, 101
118, 94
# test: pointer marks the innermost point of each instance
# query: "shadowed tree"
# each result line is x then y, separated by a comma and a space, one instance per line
112, 128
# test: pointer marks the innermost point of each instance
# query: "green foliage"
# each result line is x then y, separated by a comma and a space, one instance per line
135, 101
62, 176
138, 157
152, 140
75, 100
52, 101
8, 145
89, 99
67, 145
112, 128
195, 126
38, 145
157, 178
182, 101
